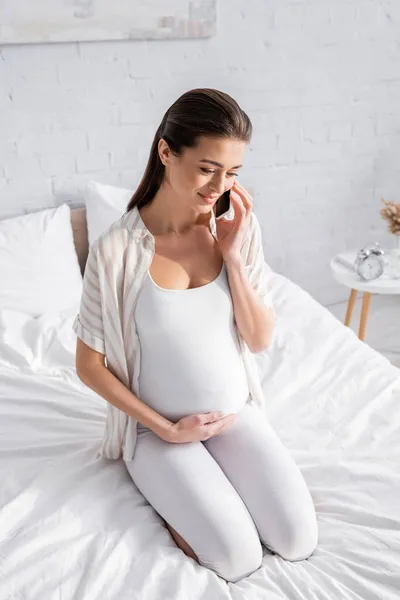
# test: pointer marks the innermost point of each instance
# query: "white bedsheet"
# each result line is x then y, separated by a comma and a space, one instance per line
74, 527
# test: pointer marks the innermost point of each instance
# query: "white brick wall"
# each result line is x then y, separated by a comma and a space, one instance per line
320, 80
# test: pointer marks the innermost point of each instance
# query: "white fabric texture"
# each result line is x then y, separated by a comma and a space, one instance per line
104, 205
39, 269
208, 493
116, 268
190, 354
75, 526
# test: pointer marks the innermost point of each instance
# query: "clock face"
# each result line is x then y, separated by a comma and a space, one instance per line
371, 268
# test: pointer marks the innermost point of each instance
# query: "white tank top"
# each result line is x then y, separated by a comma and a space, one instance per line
190, 355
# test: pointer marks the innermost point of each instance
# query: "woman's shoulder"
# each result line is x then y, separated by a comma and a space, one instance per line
252, 240
113, 242
254, 222
253, 228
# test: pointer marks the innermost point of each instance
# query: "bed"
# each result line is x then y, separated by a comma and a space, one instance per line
75, 527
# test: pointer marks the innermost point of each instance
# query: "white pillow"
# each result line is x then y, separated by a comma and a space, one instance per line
104, 205
41, 344
39, 269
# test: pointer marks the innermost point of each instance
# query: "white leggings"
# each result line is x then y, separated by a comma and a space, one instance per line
226, 494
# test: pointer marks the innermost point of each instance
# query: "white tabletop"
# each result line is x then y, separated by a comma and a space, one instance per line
377, 286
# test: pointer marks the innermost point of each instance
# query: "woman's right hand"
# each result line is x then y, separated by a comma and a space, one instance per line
198, 428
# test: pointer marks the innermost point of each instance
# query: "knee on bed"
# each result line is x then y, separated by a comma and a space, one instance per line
234, 555
238, 563
298, 540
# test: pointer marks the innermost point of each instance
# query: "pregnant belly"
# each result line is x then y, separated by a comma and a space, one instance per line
176, 394
174, 408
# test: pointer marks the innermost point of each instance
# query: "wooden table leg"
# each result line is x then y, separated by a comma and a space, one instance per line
364, 314
350, 306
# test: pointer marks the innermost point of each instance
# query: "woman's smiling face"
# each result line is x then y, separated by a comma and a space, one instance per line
203, 173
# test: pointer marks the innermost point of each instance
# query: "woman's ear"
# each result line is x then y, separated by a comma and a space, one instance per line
164, 152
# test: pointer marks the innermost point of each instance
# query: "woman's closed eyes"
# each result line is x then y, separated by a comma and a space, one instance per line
210, 172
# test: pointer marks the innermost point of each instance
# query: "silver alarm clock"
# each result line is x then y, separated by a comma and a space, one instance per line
369, 263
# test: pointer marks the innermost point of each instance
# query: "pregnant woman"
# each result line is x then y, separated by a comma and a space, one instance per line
174, 307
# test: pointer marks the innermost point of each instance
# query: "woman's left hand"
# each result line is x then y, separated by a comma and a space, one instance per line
231, 233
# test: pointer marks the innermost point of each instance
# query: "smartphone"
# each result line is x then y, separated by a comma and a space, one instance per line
223, 204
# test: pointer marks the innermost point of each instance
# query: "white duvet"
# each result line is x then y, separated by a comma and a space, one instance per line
74, 527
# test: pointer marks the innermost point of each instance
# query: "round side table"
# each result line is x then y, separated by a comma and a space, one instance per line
345, 276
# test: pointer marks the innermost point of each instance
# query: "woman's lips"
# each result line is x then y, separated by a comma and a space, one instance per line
208, 199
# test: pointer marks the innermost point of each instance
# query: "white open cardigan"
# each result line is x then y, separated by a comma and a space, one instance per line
115, 271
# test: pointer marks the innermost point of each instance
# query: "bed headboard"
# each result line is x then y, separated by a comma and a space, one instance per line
79, 228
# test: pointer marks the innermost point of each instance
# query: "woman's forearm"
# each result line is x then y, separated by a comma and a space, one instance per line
254, 321
109, 387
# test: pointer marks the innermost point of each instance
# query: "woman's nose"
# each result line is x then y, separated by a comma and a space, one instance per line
217, 186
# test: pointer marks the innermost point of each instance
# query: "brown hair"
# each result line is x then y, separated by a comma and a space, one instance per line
198, 112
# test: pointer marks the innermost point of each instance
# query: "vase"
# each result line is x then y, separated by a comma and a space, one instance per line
392, 261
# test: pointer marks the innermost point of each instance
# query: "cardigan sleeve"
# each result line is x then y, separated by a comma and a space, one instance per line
255, 266
88, 323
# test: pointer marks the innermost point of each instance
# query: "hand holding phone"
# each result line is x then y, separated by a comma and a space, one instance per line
223, 204
232, 228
